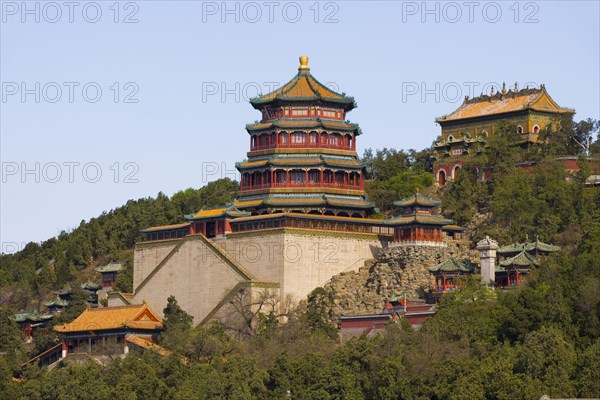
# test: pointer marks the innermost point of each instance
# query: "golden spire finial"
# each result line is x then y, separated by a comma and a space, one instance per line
503, 87
303, 64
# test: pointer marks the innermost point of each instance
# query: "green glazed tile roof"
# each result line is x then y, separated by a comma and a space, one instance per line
528, 247
417, 199
418, 219
452, 265
57, 301
523, 259
305, 123
110, 267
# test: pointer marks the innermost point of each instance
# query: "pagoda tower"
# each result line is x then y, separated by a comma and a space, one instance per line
302, 154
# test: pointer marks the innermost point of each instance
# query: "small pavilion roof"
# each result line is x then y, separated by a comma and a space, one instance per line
57, 301
302, 88
91, 286
521, 260
505, 102
32, 316
452, 265
113, 266
417, 199
108, 318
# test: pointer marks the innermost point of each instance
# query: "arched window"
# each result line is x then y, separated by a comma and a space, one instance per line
484, 134
441, 177
455, 171
519, 129
450, 138
536, 129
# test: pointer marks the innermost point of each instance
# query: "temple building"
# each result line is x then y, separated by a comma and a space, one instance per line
301, 215
56, 305
108, 331
448, 274
465, 131
418, 224
29, 321
109, 274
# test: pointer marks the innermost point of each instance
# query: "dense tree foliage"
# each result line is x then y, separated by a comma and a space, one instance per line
393, 174
540, 338
110, 235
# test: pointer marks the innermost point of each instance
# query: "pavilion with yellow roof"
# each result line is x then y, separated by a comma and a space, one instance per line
108, 331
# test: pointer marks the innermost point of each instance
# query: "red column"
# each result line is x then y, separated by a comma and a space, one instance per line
353, 142
287, 175
321, 182
306, 177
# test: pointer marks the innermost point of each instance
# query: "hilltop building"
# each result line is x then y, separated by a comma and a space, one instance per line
301, 215
465, 131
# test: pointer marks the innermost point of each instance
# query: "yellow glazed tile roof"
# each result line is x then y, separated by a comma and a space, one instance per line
303, 85
248, 203
215, 212
97, 319
257, 163
535, 99
147, 345
164, 227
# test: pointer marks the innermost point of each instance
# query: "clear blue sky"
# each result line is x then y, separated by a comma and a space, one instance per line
179, 53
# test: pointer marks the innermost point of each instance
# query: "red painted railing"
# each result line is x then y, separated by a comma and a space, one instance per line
300, 146
301, 185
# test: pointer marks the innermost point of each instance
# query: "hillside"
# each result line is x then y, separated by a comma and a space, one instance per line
543, 337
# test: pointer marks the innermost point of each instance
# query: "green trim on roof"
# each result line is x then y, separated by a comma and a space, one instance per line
452, 265
523, 259
110, 267
417, 199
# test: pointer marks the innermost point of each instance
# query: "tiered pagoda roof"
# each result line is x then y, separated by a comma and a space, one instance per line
418, 209
301, 160
313, 200
504, 102
304, 123
304, 88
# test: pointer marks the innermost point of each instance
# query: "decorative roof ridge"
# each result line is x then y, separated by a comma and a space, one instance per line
510, 93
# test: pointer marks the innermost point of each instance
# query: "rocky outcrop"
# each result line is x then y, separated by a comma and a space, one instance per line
396, 269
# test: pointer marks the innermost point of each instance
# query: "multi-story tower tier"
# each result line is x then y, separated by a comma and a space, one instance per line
302, 154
